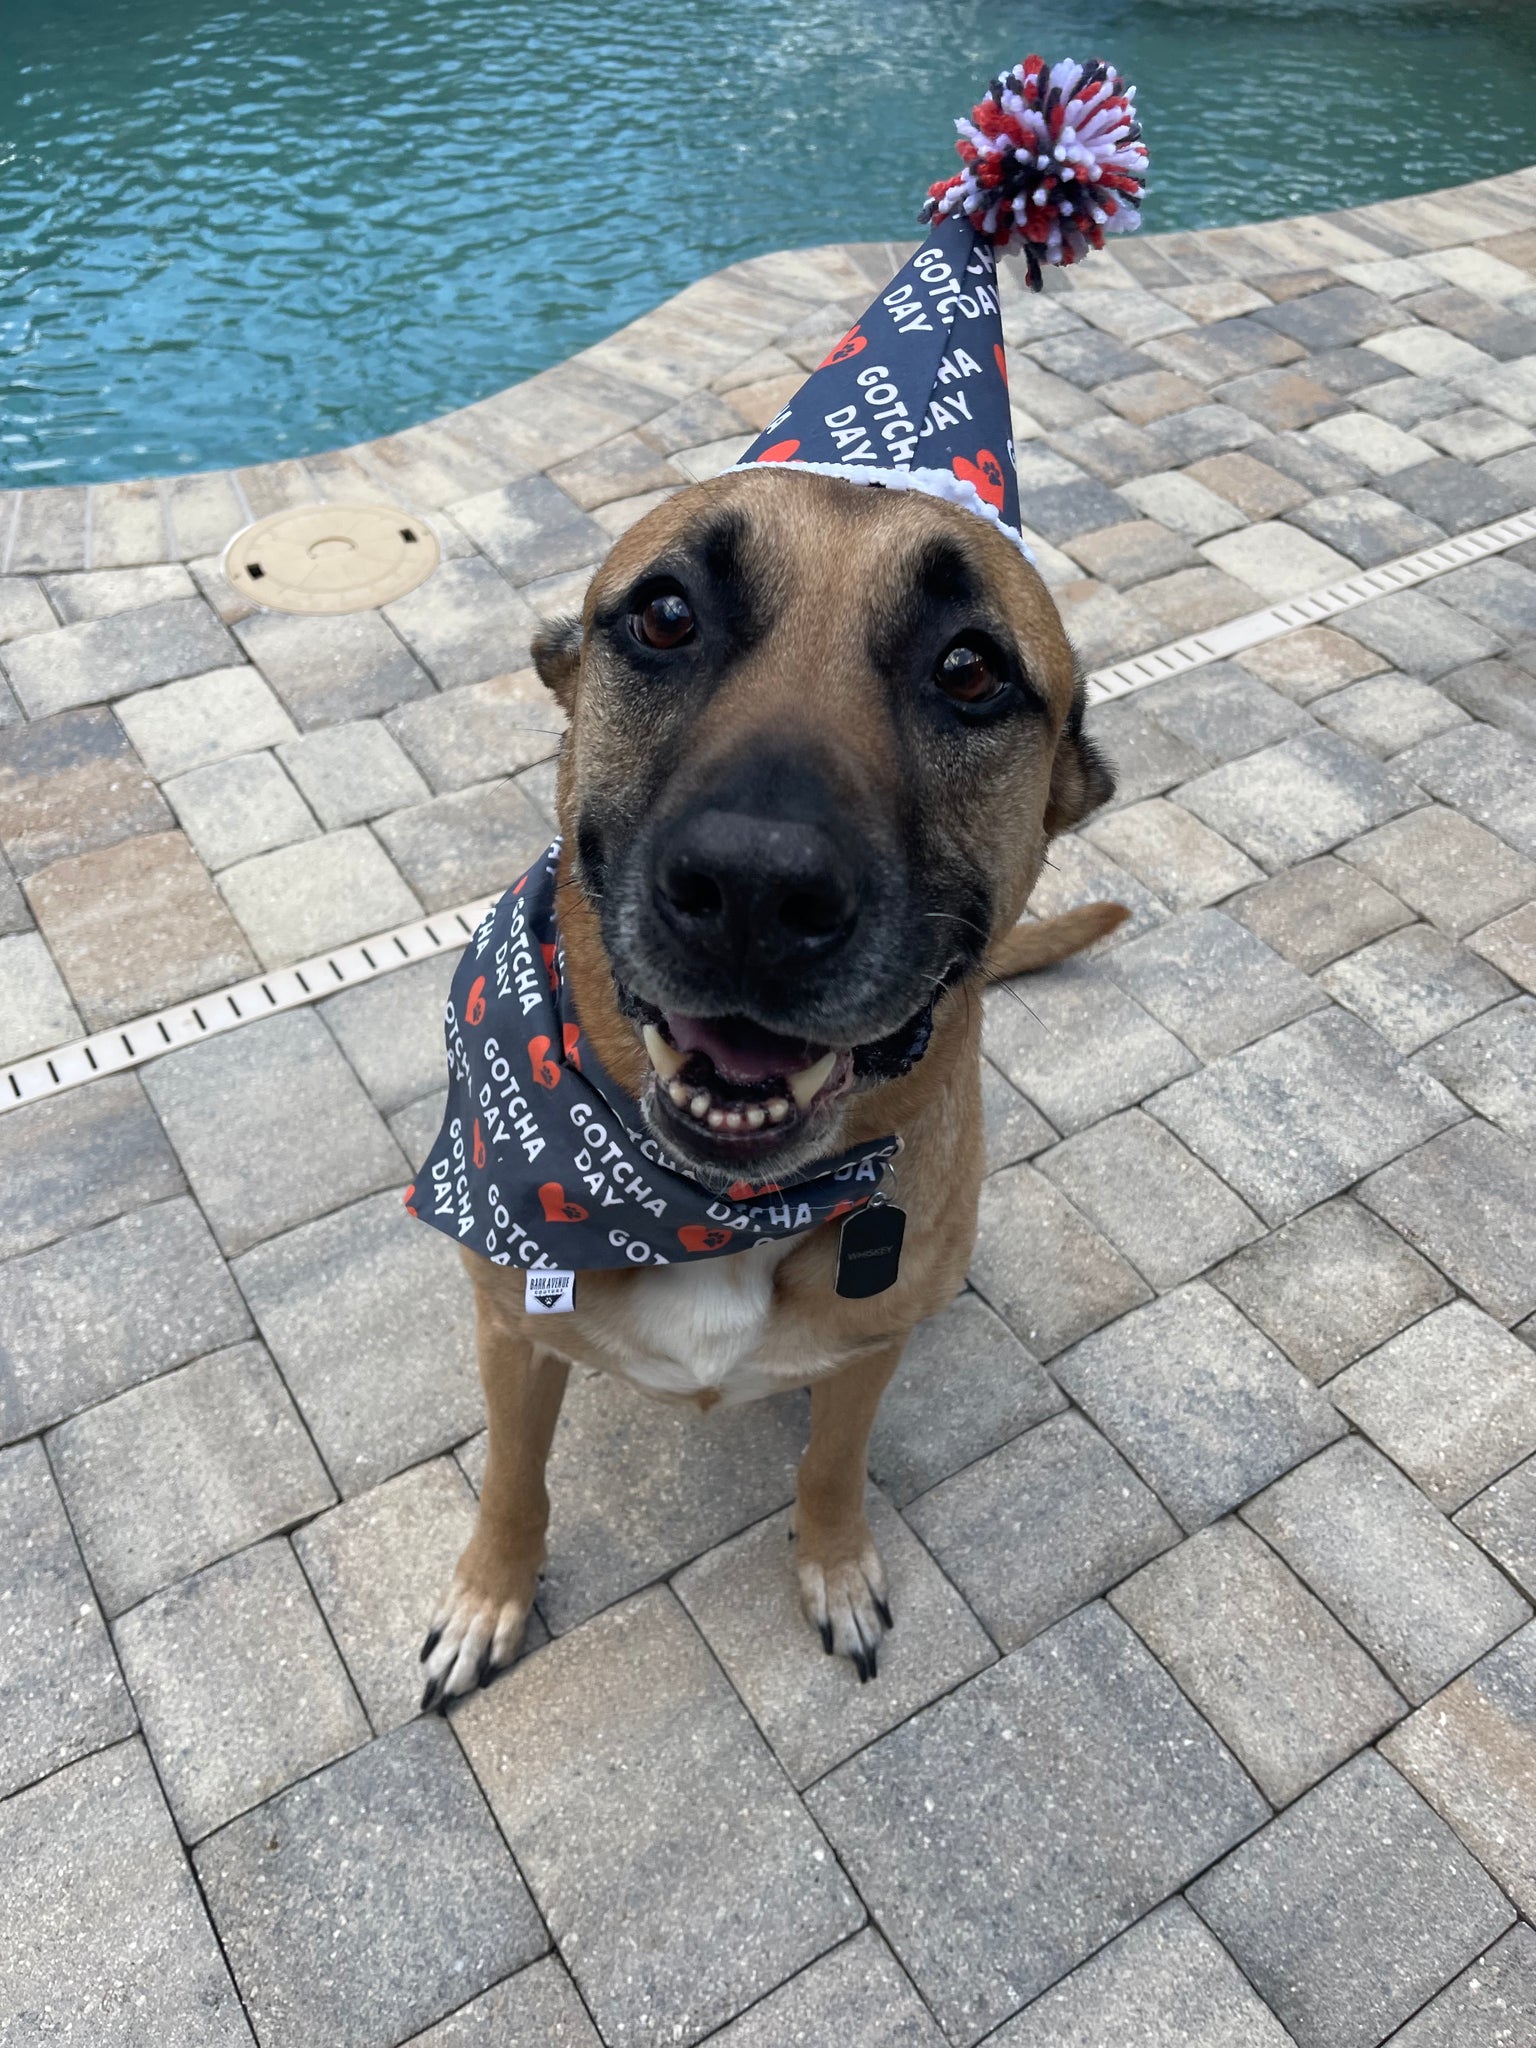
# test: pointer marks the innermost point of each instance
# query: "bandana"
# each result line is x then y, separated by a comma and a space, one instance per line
544, 1161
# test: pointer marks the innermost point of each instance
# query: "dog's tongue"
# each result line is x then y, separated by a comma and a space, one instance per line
740, 1049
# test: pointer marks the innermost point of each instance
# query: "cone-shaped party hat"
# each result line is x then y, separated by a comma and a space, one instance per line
915, 395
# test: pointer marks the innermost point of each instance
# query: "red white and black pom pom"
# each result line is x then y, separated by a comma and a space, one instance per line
1053, 158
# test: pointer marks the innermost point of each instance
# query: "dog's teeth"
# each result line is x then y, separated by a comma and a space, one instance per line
734, 1120
678, 1093
778, 1109
698, 1104
808, 1083
716, 1119
755, 1119
666, 1059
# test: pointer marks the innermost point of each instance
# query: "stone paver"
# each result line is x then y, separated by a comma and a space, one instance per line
106, 1937
240, 807
1415, 985
183, 1470
811, 1707
247, 1112
37, 1012
391, 1030
746, 1891
305, 899
1005, 1800
1492, 2004
1445, 867
1202, 1404
102, 1310
329, 670
1181, 860
1303, 1113
1074, 1070
1042, 1266
71, 784
1275, 1675
1171, 1216
1405, 1583
1466, 1201
1315, 912
1419, 1908
1334, 1283
378, 1566
1298, 798
1503, 1522
1212, 982
537, 2008
369, 1321
1166, 1983
238, 1684
858, 1995
471, 842
350, 773
965, 1385
60, 1690
365, 1903
1471, 1751
194, 723
184, 939
1452, 1400
1388, 714
1041, 1526
107, 658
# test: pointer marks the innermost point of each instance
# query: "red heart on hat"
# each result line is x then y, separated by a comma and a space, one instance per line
704, 1237
781, 451
557, 1207
986, 473
850, 345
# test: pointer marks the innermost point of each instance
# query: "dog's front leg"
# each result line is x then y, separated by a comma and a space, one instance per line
842, 1581
480, 1620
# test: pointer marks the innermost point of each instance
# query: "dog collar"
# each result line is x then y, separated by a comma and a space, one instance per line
544, 1161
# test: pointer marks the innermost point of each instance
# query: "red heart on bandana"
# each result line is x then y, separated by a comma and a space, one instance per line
478, 1151
704, 1237
850, 345
1001, 360
545, 1072
550, 969
474, 1002
521, 883
781, 451
841, 1209
410, 1206
571, 1033
744, 1190
986, 473
557, 1208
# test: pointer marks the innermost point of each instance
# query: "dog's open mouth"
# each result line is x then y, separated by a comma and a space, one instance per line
740, 1082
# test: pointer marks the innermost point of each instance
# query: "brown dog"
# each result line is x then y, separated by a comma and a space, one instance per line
820, 735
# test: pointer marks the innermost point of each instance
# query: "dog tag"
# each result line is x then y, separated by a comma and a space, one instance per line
869, 1250
550, 1293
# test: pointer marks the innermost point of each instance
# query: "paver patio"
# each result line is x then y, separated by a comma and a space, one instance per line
1209, 1508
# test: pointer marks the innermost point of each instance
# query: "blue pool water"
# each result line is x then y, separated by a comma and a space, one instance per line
231, 234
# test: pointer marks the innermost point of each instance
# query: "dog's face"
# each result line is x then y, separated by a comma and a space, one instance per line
820, 734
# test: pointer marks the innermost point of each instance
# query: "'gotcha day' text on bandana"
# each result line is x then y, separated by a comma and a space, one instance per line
544, 1161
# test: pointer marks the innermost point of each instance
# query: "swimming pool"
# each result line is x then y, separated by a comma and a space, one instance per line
233, 234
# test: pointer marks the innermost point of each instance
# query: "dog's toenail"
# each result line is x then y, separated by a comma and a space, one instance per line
434, 1637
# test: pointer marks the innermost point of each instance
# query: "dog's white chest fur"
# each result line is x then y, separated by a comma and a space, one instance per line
703, 1326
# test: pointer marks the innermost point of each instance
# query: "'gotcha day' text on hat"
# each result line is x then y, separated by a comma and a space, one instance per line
915, 395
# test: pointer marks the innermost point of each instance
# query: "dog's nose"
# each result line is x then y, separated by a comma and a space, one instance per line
738, 886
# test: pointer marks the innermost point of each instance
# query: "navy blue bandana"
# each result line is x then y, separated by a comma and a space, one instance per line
915, 395
543, 1161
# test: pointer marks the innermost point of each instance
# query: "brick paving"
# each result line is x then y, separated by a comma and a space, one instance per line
1209, 1507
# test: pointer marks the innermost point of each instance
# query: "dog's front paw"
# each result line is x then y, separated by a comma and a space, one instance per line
476, 1630
843, 1592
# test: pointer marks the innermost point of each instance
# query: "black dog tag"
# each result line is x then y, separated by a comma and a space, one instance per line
869, 1250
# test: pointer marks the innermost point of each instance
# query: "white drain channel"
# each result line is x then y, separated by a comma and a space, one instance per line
290, 988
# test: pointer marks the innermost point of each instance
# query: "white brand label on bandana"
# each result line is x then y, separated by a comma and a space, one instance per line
550, 1293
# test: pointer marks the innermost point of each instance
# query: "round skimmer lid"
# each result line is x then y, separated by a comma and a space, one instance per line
331, 558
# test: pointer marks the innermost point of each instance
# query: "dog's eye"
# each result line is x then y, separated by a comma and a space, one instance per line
664, 620
969, 675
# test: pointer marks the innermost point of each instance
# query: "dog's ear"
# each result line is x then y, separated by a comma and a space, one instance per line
1081, 778
557, 657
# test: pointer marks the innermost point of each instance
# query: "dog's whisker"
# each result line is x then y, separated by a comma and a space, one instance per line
997, 981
